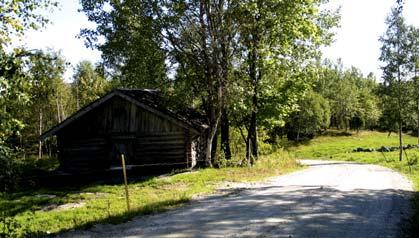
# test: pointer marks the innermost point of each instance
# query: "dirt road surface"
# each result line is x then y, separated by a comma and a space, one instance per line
328, 199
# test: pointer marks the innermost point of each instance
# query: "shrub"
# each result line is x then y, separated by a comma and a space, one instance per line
9, 170
9, 227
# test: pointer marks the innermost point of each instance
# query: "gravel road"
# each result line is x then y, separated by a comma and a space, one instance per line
328, 199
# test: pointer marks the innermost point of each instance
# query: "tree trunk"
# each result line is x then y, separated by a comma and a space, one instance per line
77, 96
63, 114
40, 133
225, 134
417, 119
417, 106
248, 151
211, 134
58, 110
255, 76
251, 145
399, 112
214, 147
298, 132
253, 137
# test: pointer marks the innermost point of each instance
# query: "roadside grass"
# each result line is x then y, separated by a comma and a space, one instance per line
341, 148
44, 211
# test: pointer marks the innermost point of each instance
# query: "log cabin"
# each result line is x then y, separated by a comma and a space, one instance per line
134, 122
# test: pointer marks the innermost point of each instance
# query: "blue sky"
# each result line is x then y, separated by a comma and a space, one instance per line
356, 42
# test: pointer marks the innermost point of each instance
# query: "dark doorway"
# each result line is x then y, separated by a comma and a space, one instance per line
119, 147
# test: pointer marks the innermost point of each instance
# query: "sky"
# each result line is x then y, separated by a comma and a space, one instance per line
356, 41
61, 35
362, 23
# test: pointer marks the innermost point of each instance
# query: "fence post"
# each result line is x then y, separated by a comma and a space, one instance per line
125, 181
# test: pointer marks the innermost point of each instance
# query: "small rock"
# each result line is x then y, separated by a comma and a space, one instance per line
50, 196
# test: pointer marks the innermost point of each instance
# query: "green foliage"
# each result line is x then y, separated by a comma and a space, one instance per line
50, 97
16, 18
88, 84
14, 88
20, 15
399, 55
9, 170
352, 97
132, 41
251, 58
278, 57
412, 160
9, 227
313, 117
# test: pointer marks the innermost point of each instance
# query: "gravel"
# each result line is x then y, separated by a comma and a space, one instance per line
328, 199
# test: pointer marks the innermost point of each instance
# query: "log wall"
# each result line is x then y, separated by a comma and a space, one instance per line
94, 141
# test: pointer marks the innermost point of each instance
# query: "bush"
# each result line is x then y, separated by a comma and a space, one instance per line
9, 227
9, 170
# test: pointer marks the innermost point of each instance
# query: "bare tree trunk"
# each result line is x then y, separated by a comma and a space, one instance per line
58, 110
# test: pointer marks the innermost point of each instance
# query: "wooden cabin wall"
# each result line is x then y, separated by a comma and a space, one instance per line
89, 142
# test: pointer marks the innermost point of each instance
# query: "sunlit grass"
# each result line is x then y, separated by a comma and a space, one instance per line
107, 204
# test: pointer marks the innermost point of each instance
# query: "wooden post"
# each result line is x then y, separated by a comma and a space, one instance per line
125, 181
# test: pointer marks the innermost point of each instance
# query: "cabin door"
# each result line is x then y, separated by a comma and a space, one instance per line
120, 147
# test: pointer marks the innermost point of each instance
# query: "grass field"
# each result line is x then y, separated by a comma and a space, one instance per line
338, 146
51, 211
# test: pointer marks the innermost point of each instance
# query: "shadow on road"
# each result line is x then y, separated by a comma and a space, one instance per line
276, 211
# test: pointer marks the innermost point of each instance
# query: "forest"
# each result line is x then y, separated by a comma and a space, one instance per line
254, 68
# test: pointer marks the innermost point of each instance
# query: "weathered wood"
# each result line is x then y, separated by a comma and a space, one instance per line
115, 126
154, 111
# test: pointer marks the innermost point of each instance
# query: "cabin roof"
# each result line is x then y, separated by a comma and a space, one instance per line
147, 99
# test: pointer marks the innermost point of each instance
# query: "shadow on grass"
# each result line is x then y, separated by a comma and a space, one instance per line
306, 141
152, 208
336, 133
31, 200
273, 211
